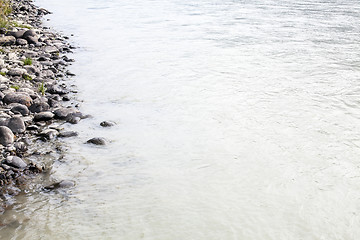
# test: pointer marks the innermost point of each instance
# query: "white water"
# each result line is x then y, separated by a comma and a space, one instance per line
236, 120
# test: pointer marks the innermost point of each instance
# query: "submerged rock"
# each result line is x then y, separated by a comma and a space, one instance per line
68, 134
107, 123
97, 141
61, 184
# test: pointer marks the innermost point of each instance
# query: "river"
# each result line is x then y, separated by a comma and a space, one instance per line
236, 120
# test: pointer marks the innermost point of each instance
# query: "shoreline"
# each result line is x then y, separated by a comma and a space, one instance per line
34, 99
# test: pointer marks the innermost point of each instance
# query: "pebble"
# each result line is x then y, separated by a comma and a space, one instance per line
6, 136
107, 123
97, 141
43, 116
15, 162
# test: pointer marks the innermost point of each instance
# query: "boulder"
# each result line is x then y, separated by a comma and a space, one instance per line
21, 98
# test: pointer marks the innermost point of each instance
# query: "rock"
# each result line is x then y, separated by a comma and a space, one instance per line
32, 39
20, 147
16, 125
49, 133
68, 134
61, 184
21, 98
51, 49
107, 123
97, 141
20, 108
72, 119
32, 127
15, 162
43, 116
32, 70
62, 113
7, 40
6, 136
16, 72
21, 42
29, 33
54, 89
39, 106
17, 34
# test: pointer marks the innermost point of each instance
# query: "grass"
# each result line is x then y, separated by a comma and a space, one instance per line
16, 87
42, 88
2, 73
5, 10
27, 77
27, 61
16, 24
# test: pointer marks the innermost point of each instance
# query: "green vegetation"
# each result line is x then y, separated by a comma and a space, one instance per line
16, 87
27, 61
2, 74
16, 24
5, 10
42, 88
27, 77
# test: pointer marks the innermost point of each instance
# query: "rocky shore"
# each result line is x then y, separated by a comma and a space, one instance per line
34, 98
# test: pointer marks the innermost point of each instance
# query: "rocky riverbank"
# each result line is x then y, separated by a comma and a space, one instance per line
34, 98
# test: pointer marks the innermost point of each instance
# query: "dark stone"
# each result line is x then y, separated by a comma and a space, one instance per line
15, 162
57, 90
97, 141
20, 147
17, 34
20, 108
32, 39
16, 125
29, 33
39, 106
6, 136
43, 116
32, 127
68, 134
62, 113
21, 98
107, 123
61, 184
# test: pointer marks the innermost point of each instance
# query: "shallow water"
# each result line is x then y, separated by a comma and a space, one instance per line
235, 120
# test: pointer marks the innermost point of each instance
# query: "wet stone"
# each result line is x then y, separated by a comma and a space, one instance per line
49, 134
62, 113
61, 184
107, 124
97, 141
20, 108
68, 134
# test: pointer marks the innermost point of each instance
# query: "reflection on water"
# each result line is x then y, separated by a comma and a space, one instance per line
235, 120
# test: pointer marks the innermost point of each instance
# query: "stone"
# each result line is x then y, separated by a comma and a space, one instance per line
51, 49
55, 89
43, 116
17, 34
21, 42
62, 113
32, 39
107, 123
97, 141
39, 106
6, 136
20, 108
15, 162
7, 40
28, 33
16, 125
61, 184
21, 98
16, 72
32, 127
49, 133
68, 134
20, 147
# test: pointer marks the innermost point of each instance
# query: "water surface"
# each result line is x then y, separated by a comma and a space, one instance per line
236, 120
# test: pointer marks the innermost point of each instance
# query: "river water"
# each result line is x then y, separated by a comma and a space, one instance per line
236, 119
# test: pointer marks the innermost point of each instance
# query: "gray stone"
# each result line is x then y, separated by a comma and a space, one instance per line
107, 123
49, 133
62, 113
6, 136
15, 161
16, 125
39, 106
32, 40
21, 42
55, 89
21, 98
51, 49
20, 108
28, 33
16, 72
97, 141
20, 147
17, 34
61, 184
7, 40
43, 116
68, 134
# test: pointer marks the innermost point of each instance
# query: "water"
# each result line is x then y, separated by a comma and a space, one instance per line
236, 120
